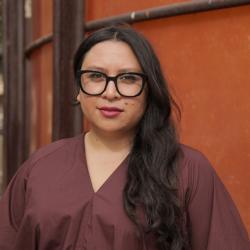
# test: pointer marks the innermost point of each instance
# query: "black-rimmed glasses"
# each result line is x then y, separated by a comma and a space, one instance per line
95, 83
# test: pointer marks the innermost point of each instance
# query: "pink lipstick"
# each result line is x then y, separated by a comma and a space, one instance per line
110, 112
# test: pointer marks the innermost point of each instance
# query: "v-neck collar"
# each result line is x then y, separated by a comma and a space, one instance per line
109, 179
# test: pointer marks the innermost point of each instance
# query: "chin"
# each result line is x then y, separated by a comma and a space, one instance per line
111, 129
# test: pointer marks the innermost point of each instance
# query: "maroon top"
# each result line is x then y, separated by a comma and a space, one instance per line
50, 205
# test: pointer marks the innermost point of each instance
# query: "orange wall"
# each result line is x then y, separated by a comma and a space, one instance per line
206, 59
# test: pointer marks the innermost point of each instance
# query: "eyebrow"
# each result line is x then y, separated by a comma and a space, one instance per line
125, 70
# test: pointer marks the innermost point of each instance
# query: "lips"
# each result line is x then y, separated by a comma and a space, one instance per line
111, 109
110, 112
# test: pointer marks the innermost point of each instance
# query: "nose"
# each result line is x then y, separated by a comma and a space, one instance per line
111, 91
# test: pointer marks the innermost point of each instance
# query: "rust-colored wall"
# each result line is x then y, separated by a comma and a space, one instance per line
206, 58
41, 79
96, 9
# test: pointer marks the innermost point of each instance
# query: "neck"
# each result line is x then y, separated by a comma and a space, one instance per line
110, 141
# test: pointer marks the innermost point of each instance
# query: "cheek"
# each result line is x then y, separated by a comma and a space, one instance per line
136, 109
87, 104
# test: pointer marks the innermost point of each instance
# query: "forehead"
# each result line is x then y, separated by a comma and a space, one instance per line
111, 52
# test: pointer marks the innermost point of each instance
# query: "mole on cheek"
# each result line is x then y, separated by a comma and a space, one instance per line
127, 103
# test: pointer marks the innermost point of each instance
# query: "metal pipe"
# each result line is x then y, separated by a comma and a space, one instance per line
67, 34
16, 124
38, 43
149, 14
165, 11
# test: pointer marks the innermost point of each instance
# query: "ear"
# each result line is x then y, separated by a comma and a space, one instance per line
78, 97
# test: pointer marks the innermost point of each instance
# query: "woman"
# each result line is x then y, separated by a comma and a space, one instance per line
127, 183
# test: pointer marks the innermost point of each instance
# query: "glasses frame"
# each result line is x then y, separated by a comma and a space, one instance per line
108, 79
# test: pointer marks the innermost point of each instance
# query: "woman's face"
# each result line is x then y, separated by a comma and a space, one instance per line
111, 112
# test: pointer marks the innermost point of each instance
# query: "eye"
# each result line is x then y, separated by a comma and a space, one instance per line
95, 75
129, 78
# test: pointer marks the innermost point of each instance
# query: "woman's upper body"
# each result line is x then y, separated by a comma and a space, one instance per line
129, 184
51, 205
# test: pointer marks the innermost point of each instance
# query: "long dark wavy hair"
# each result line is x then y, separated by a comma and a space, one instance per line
152, 178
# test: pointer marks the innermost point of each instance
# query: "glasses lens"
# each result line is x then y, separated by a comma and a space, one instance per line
130, 84
93, 83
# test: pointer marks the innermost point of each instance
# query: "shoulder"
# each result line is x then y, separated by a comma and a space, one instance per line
196, 171
53, 154
54, 148
194, 160
209, 207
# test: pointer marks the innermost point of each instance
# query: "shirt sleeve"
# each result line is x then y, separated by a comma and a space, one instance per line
214, 221
12, 206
